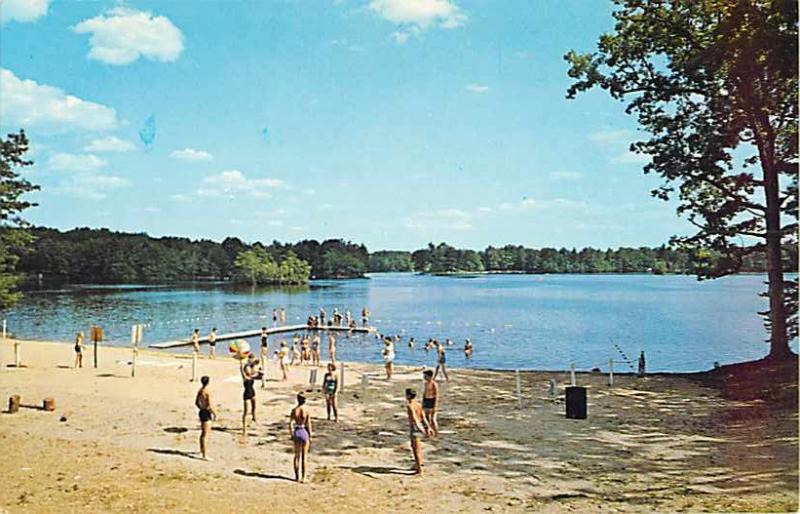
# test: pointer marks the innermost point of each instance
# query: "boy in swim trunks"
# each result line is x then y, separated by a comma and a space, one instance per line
212, 343
430, 401
300, 434
416, 428
206, 412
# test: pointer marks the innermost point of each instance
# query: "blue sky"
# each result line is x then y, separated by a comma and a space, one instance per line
388, 122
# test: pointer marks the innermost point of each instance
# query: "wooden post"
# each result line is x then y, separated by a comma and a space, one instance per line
312, 377
17, 354
97, 336
610, 372
572, 373
364, 381
519, 390
13, 403
194, 366
49, 404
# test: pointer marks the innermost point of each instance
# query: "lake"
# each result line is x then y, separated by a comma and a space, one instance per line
514, 321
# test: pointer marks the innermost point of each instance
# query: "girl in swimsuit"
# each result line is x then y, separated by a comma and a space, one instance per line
330, 387
283, 359
332, 347
249, 395
315, 351
300, 434
79, 350
388, 357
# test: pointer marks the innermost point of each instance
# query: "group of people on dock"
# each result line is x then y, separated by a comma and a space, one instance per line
337, 319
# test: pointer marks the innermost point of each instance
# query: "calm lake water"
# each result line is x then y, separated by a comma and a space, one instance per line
514, 321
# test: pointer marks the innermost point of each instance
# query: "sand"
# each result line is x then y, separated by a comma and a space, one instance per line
663, 443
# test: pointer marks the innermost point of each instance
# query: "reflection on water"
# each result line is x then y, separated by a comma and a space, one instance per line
516, 321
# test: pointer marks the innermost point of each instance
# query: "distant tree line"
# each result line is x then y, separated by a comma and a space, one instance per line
443, 258
103, 256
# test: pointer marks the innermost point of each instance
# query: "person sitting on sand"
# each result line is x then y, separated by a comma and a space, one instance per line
388, 356
315, 358
441, 360
332, 348
79, 350
283, 360
300, 433
206, 412
248, 372
430, 401
330, 387
417, 427
468, 349
212, 344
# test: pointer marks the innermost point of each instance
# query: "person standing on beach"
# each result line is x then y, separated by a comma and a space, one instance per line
416, 428
264, 355
248, 372
79, 350
332, 348
315, 342
283, 360
206, 412
388, 356
430, 401
441, 360
212, 344
195, 353
296, 356
300, 433
330, 387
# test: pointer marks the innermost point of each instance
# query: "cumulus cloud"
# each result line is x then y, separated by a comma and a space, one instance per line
416, 16
75, 162
109, 144
35, 106
22, 10
443, 219
628, 157
611, 136
233, 183
122, 35
190, 154
476, 88
549, 204
91, 186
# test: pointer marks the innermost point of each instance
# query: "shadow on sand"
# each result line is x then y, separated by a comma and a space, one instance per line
179, 453
380, 470
263, 476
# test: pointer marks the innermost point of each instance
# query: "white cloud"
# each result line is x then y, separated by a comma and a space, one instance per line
476, 88
190, 154
485, 209
22, 10
416, 16
109, 144
444, 219
550, 204
231, 183
611, 136
151, 210
91, 186
564, 175
179, 198
34, 106
628, 157
75, 162
122, 35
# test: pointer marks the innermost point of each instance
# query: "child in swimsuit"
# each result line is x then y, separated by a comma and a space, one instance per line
249, 395
388, 357
430, 401
212, 343
300, 433
79, 350
330, 386
205, 412
441, 361
416, 427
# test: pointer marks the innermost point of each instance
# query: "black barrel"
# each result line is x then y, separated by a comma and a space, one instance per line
576, 402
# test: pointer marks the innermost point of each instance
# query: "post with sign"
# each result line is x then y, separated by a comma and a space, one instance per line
97, 336
136, 338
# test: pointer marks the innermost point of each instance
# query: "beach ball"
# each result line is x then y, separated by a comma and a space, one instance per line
239, 349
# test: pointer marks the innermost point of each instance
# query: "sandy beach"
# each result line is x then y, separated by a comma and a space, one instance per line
116, 443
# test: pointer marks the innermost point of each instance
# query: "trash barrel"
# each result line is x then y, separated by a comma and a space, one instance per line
576, 402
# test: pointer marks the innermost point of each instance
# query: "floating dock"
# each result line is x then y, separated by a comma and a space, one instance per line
256, 333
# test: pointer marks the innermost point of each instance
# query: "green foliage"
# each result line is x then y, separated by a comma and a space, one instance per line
340, 264
257, 266
715, 84
14, 238
386, 260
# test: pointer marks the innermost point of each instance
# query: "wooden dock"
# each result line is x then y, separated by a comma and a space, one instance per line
255, 333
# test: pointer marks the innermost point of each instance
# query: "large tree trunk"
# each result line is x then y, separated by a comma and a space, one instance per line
779, 344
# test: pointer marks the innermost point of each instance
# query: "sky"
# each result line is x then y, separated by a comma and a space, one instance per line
387, 122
